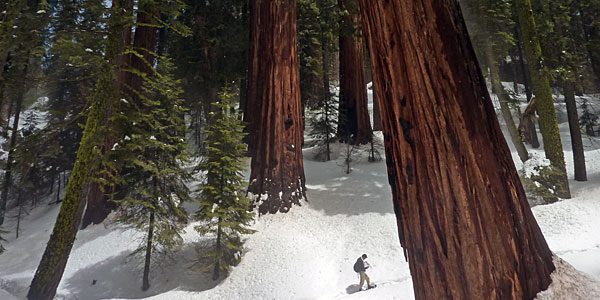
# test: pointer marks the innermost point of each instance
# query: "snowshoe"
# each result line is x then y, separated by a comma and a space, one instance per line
371, 286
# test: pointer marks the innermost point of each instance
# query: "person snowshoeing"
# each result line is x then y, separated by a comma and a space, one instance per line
360, 267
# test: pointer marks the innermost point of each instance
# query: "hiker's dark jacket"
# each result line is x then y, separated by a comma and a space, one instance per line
359, 266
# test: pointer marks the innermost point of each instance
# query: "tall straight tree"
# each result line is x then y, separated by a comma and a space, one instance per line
543, 97
463, 217
354, 118
273, 109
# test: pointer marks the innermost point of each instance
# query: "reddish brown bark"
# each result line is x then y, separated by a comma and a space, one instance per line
354, 121
274, 112
463, 218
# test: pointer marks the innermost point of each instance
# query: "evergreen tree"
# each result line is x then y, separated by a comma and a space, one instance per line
215, 53
223, 204
19, 73
323, 125
54, 259
310, 52
148, 164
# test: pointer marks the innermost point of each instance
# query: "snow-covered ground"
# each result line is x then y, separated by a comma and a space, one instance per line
305, 254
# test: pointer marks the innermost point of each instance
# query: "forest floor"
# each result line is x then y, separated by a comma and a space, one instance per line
305, 254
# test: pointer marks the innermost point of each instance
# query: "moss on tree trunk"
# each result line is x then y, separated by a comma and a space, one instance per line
543, 95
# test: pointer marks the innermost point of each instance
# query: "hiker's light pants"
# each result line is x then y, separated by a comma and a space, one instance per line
363, 277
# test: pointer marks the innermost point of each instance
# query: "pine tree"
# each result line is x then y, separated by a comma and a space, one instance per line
310, 52
148, 164
54, 259
19, 74
223, 204
323, 125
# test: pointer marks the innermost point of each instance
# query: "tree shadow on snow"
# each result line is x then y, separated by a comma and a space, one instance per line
121, 277
364, 190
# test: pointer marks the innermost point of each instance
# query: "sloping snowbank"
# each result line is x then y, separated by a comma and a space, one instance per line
569, 283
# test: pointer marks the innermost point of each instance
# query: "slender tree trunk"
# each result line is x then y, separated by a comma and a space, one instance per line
354, 110
146, 281
274, 104
217, 269
58, 190
464, 221
521, 52
576, 141
11, 150
515, 74
503, 99
543, 95
326, 98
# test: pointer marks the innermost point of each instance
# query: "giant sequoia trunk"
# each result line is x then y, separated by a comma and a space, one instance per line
503, 99
576, 141
463, 217
355, 125
129, 84
543, 96
277, 175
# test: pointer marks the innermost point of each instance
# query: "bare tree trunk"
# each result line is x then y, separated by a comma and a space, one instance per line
326, 94
217, 269
274, 107
146, 281
521, 52
463, 218
503, 99
354, 110
576, 142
